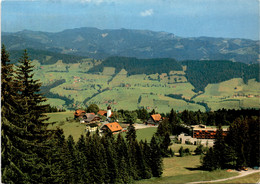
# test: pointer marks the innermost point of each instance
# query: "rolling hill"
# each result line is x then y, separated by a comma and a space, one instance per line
100, 44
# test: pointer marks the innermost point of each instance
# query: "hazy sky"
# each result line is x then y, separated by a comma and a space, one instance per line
188, 18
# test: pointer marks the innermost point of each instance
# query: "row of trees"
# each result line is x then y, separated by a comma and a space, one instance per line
33, 154
106, 159
238, 149
54, 109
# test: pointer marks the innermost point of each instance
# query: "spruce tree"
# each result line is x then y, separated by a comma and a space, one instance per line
156, 158
83, 151
220, 148
31, 111
143, 168
60, 160
17, 158
131, 133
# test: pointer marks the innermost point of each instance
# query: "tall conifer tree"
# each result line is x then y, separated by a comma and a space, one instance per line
16, 154
31, 111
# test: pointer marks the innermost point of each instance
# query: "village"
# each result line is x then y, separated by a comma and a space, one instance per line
102, 122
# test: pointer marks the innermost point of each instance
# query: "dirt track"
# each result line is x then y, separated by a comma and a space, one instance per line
241, 174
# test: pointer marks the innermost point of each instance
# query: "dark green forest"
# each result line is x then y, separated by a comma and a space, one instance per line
135, 66
202, 73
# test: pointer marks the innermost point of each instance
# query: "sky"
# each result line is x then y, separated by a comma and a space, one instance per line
185, 18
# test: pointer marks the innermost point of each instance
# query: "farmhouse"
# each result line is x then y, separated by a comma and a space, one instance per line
79, 113
112, 127
90, 118
154, 119
204, 132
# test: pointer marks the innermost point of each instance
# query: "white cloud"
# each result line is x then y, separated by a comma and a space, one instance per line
147, 13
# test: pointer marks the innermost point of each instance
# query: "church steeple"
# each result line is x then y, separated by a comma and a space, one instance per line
108, 112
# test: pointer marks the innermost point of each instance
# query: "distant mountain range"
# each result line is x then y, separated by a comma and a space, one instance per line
145, 44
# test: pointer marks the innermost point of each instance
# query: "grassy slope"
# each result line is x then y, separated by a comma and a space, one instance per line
220, 95
144, 134
185, 169
73, 128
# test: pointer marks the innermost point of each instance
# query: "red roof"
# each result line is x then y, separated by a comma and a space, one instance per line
79, 112
156, 117
114, 127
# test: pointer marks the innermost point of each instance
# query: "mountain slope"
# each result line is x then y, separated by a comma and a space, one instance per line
93, 42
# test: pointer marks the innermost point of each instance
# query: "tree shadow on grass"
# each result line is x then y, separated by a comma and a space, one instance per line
199, 168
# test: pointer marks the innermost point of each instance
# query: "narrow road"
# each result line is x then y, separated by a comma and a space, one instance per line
241, 174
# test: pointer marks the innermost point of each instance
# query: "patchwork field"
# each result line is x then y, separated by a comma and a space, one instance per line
122, 91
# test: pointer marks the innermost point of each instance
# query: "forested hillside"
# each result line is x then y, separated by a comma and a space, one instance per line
202, 73
135, 66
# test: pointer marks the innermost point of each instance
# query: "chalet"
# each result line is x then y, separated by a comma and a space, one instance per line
204, 132
112, 127
154, 119
90, 118
79, 113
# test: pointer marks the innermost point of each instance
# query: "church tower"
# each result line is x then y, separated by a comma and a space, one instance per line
108, 112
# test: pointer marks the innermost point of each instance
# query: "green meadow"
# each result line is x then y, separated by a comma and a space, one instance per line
186, 169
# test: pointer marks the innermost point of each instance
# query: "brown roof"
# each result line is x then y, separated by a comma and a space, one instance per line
102, 113
156, 117
114, 127
90, 117
79, 112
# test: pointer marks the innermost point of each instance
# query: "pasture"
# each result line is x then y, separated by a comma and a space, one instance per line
144, 134
184, 170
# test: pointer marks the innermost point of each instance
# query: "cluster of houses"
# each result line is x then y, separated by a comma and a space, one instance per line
94, 121
200, 133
